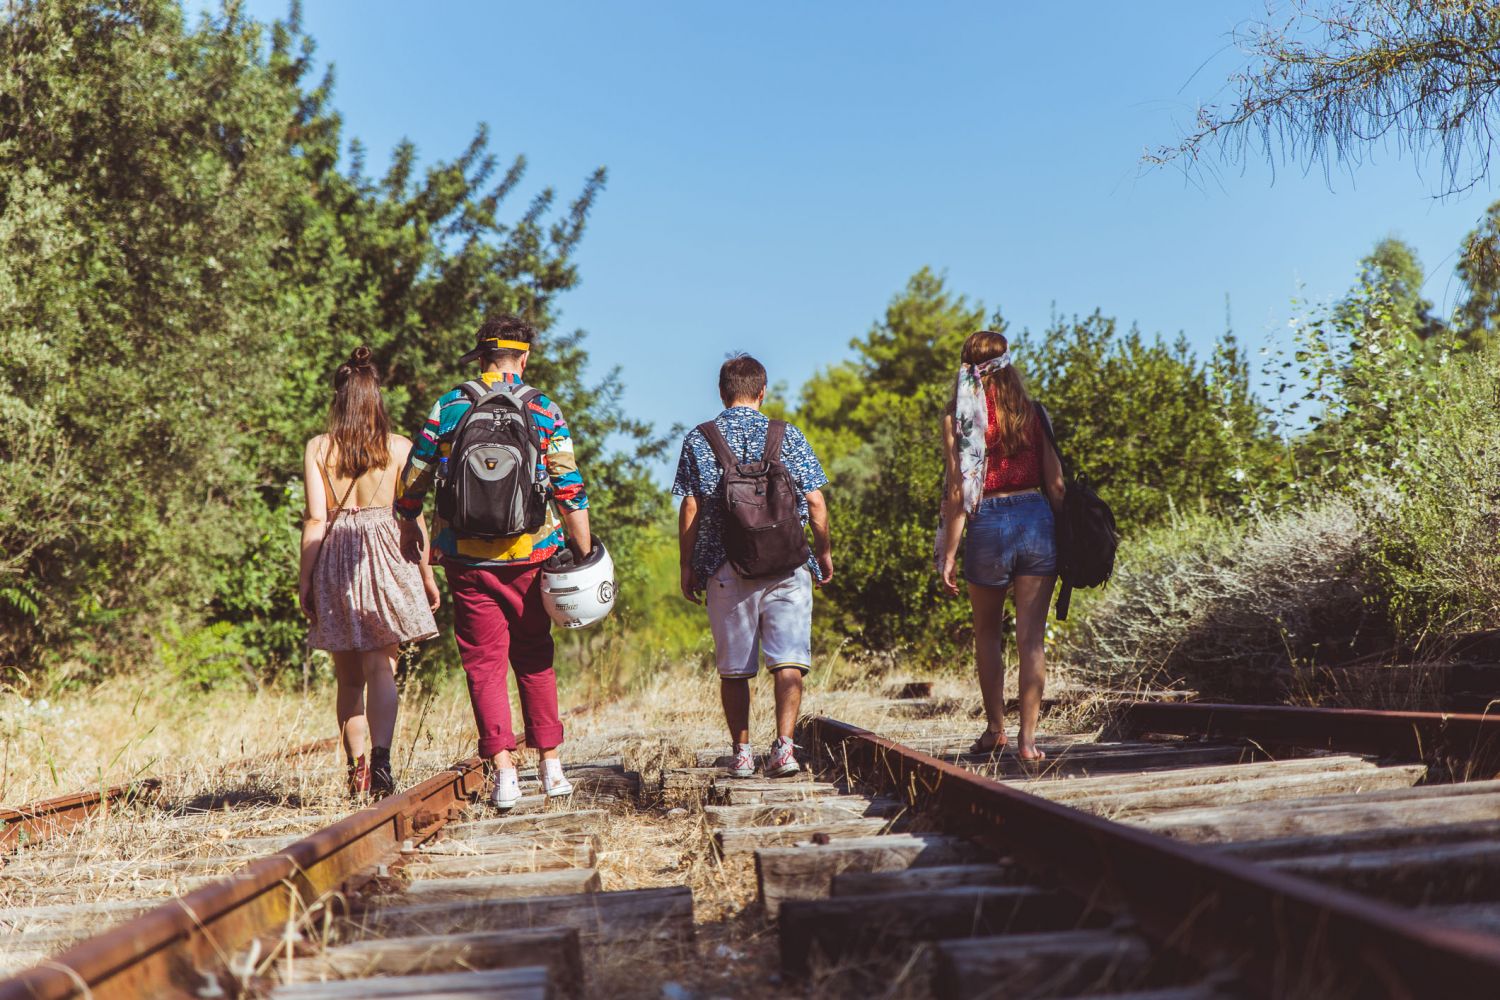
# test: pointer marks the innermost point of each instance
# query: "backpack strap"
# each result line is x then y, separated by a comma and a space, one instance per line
775, 434
1046, 419
715, 438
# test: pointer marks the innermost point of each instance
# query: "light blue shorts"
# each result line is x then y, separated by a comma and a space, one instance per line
1010, 537
749, 617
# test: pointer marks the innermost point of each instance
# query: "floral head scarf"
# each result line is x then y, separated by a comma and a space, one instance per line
971, 422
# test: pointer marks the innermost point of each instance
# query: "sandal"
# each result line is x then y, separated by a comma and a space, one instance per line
989, 741
1035, 758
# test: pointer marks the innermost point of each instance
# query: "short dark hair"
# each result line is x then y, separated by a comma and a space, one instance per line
741, 377
504, 327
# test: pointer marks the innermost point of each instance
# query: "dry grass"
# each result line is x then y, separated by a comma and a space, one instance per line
209, 816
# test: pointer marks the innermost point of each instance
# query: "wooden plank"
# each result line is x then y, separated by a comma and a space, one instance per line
744, 839
1379, 838
753, 791
839, 928
807, 872
820, 810
1088, 961
1310, 817
554, 948
521, 885
574, 821
499, 855
1412, 876
1076, 762
927, 879
526, 983
666, 913
1200, 991
1148, 781
1295, 786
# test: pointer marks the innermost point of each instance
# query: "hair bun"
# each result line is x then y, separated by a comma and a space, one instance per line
360, 357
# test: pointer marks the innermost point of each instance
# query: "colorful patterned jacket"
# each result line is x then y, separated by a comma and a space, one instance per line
435, 442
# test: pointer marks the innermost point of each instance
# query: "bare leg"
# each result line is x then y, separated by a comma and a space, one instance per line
788, 701
1033, 595
989, 653
378, 669
350, 704
734, 693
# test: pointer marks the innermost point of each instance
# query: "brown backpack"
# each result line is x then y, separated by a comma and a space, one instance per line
763, 534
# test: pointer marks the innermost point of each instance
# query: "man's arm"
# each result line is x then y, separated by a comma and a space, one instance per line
416, 480
687, 538
568, 494
817, 516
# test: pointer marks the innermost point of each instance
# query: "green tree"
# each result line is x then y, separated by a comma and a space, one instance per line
186, 253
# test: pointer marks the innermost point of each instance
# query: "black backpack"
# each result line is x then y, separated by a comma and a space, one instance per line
1085, 530
763, 534
494, 486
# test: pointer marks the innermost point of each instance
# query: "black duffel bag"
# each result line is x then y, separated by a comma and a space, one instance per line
1085, 532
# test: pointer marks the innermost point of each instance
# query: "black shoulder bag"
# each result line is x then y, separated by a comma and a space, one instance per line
1085, 531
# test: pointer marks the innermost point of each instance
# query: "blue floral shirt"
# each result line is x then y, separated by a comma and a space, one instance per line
699, 475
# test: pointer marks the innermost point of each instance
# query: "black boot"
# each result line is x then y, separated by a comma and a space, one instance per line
382, 782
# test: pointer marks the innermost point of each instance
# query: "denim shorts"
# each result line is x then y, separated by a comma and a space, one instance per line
1010, 537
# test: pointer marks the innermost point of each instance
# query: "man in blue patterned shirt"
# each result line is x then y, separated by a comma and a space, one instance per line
750, 616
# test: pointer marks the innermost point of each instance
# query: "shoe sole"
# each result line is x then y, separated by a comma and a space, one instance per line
734, 773
783, 770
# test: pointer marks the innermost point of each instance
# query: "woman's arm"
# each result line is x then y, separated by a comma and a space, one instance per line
400, 452
954, 515
1052, 476
314, 523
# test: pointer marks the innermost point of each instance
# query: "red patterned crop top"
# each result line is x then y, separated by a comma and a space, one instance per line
1009, 473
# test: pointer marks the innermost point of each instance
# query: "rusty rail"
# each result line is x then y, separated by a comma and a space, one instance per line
34, 822
172, 948
1285, 935
37, 821
1416, 736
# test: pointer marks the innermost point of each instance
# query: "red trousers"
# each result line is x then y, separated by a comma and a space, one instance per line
499, 620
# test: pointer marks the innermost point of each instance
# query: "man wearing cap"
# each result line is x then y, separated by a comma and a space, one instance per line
498, 617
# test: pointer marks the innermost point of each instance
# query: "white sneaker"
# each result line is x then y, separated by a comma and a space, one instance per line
555, 784
783, 759
743, 765
507, 791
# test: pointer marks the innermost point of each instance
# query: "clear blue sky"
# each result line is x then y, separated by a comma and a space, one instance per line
778, 170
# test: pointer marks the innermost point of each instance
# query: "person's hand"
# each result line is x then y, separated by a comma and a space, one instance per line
950, 574
825, 569
690, 586
411, 539
434, 595
305, 598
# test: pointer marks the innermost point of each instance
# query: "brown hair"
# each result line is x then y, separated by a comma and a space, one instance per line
504, 328
1014, 411
741, 377
358, 428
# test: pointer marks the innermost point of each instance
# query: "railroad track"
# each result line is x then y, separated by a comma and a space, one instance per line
1191, 852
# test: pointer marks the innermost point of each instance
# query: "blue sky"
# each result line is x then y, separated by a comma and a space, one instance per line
778, 170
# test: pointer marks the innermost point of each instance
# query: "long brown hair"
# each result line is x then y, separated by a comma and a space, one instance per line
1014, 411
358, 427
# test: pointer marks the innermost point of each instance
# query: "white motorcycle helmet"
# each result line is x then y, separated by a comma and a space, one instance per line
579, 592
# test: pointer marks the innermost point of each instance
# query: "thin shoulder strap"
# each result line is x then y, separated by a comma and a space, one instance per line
328, 482
774, 436
715, 438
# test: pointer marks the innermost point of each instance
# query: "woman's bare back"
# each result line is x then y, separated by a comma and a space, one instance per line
373, 488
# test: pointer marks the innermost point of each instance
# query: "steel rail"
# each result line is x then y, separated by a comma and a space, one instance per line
24, 825
34, 822
1284, 935
1441, 736
172, 948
